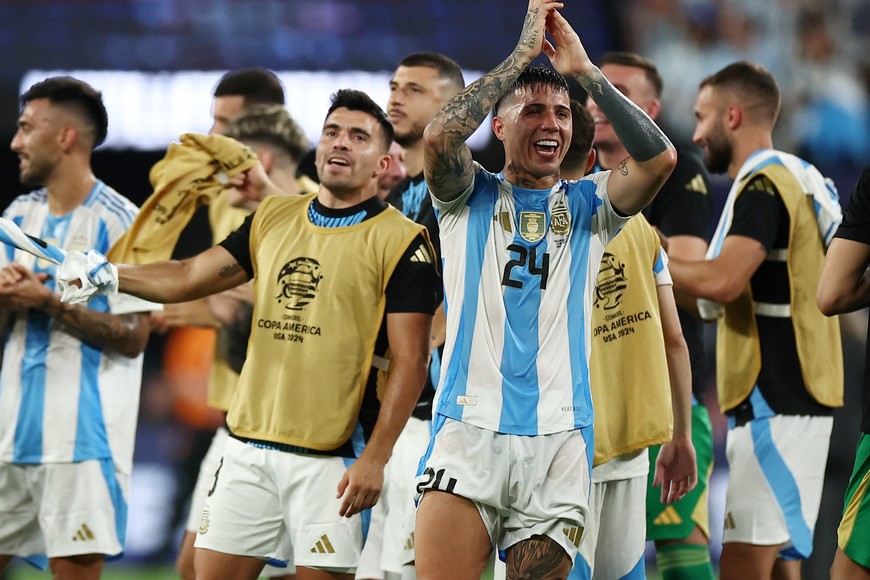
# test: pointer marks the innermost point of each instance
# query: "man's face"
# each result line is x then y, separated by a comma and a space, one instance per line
535, 126
223, 110
349, 155
37, 141
396, 173
631, 82
417, 93
710, 132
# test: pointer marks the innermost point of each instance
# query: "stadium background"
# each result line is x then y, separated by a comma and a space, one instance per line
156, 62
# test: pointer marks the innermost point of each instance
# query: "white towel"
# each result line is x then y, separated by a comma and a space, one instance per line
82, 276
826, 202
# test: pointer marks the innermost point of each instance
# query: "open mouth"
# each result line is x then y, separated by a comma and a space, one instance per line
546, 147
340, 161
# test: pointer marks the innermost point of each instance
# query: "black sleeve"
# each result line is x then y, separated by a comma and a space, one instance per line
415, 285
684, 205
856, 219
238, 244
757, 212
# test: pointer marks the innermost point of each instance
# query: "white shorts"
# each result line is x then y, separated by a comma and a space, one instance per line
615, 536
776, 472
522, 486
265, 501
389, 544
62, 509
205, 478
204, 482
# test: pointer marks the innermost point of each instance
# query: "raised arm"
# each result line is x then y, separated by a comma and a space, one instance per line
212, 271
844, 285
635, 181
447, 159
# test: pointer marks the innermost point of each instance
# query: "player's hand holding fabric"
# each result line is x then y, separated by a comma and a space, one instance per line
82, 276
676, 469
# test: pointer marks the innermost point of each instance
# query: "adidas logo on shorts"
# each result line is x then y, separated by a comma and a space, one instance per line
83, 534
668, 517
574, 534
323, 546
203, 522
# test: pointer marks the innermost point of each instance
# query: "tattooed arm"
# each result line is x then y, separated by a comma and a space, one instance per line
212, 271
635, 181
22, 290
447, 159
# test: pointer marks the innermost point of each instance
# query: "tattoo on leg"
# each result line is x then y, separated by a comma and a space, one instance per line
623, 167
539, 557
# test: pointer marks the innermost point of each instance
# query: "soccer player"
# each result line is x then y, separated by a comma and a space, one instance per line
422, 84
682, 211
843, 287
641, 387
69, 388
283, 147
779, 360
308, 439
508, 465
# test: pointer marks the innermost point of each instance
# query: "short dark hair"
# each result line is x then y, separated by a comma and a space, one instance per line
255, 85
751, 82
534, 76
581, 137
637, 61
271, 124
77, 97
447, 67
354, 100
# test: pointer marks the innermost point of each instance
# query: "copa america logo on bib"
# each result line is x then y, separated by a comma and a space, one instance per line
532, 225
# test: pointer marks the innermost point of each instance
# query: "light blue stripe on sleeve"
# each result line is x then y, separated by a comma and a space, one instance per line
519, 361
660, 263
580, 195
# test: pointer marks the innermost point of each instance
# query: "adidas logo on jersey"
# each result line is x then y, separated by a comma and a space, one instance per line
574, 534
83, 534
323, 546
697, 184
409, 543
668, 517
729, 522
422, 255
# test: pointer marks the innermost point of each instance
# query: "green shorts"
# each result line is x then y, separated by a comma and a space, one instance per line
677, 520
854, 531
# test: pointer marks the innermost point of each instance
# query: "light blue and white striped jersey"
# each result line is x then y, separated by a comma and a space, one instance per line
62, 400
660, 270
519, 268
